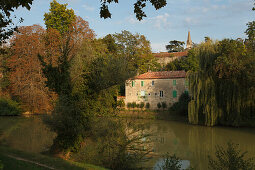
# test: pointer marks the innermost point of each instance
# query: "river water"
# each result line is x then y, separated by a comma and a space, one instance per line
191, 143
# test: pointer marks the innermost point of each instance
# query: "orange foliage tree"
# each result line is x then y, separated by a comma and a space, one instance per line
27, 82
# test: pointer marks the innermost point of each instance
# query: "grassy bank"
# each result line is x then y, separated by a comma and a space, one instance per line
14, 159
151, 114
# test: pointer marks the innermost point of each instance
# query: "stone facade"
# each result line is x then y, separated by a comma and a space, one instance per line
164, 58
154, 90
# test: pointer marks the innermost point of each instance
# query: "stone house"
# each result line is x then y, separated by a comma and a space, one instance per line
156, 87
164, 58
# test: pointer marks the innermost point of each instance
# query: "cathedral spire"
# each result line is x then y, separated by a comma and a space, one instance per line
189, 42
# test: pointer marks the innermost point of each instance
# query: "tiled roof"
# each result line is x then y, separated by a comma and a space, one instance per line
162, 75
175, 54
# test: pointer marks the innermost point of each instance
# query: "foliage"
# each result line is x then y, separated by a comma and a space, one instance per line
189, 63
1, 165
175, 46
6, 25
9, 107
27, 82
142, 105
121, 103
164, 105
135, 48
129, 105
114, 144
147, 106
159, 105
59, 17
133, 104
230, 158
138, 7
181, 107
5, 53
223, 87
170, 162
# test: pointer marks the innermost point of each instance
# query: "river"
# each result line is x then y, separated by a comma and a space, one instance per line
191, 143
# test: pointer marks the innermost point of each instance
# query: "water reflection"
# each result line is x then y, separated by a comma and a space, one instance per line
195, 143
190, 143
26, 134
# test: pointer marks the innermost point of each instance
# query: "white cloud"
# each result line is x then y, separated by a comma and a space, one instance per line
161, 21
88, 7
158, 47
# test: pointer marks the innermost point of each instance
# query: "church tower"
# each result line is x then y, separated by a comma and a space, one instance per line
189, 42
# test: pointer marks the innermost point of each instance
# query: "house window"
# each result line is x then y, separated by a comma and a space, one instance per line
174, 82
174, 93
161, 94
142, 83
133, 83
186, 91
149, 94
152, 83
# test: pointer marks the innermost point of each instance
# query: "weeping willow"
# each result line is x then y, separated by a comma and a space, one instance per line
223, 87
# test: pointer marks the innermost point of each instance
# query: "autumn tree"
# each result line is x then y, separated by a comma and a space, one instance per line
26, 78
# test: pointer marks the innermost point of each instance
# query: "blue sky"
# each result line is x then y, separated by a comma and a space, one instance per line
217, 19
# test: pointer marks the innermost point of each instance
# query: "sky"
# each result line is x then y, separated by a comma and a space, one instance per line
217, 19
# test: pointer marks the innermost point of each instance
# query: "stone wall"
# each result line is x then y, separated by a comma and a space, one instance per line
149, 93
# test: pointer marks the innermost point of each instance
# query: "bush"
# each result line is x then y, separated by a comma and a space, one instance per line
1, 165
159, 105
133, 105
164, 105
142, 105
137, 106
121, 103
181, 107
147, 105
129, 105
9, 107
230, 159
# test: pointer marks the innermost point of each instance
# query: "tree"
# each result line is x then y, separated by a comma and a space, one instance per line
230, 158
138, 7
59, 17
26, 79
135, 48
175, 46
6, 24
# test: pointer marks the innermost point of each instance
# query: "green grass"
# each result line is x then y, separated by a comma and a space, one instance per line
10, 163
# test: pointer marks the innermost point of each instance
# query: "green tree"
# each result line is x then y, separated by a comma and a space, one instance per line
59, 17
135, 48
230, 158
6, 25
175, 46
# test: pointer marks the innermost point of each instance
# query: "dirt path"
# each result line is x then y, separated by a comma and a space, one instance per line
26, 160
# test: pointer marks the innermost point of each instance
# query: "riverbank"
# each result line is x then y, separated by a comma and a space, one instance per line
14, 159
151, 114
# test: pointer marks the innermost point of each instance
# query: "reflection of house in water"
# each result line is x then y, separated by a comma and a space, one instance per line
156, 87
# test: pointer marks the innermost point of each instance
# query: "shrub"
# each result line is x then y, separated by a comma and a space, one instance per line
133, 105
129, 105
159, 105
9, 107
164, 105
137, 106
230, 159
147, 105
142, 105
170, 162
121, 103
1, 165
181, 107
